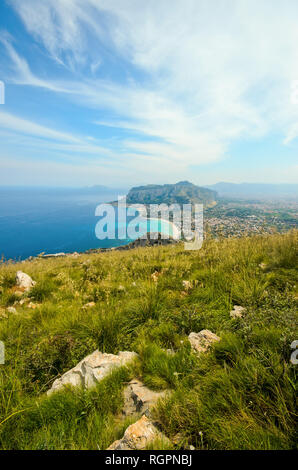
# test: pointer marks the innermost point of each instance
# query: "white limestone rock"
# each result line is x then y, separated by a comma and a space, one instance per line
187, 285
139, 435
139, 399
237, 312
92, 369
24, 281
201, 342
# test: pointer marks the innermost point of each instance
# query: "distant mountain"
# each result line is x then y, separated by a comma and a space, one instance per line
179, 193
256, 190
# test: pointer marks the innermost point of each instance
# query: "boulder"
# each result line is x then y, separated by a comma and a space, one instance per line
200, 342
139, 399
92, 369
139, 435
237, 312
24, 281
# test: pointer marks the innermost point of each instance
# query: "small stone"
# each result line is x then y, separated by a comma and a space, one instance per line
11, 310
200, 342
263, 266
89, 305
237, 312
187, 285
139, 435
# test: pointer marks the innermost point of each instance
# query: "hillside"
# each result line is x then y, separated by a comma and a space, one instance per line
179, 193
238, 394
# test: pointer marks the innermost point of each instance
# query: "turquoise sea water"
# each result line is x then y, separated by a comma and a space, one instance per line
41, 220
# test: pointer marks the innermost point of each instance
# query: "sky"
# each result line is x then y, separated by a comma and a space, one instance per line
127, 92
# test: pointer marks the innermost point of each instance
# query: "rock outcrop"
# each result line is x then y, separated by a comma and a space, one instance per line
237, 312
24, 282
92, 369
139, 399
200, 342
54, 255
139, 435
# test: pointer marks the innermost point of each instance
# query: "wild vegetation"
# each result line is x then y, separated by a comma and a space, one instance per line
239, 395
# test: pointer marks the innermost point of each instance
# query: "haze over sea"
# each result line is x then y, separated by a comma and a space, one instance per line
35, 220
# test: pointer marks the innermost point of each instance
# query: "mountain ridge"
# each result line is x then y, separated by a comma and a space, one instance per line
182, 192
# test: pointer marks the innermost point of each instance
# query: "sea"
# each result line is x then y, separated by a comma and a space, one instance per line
48, 220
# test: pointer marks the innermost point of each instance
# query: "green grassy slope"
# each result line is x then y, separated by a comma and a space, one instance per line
240, 395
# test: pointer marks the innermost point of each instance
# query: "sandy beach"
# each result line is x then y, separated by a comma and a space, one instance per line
175, 231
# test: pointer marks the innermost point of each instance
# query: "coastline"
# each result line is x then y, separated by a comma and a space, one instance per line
138, 242
145, 240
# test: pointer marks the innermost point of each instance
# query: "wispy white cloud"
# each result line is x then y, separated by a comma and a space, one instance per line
28, 134
23, 126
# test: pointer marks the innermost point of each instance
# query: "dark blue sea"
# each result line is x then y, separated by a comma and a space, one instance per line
34, 221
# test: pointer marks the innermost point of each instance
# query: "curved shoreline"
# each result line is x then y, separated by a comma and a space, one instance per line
176, 236
176, 232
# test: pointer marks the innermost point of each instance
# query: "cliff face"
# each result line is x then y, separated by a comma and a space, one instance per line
179, 193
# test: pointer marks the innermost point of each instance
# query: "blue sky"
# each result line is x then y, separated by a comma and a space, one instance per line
125, 92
